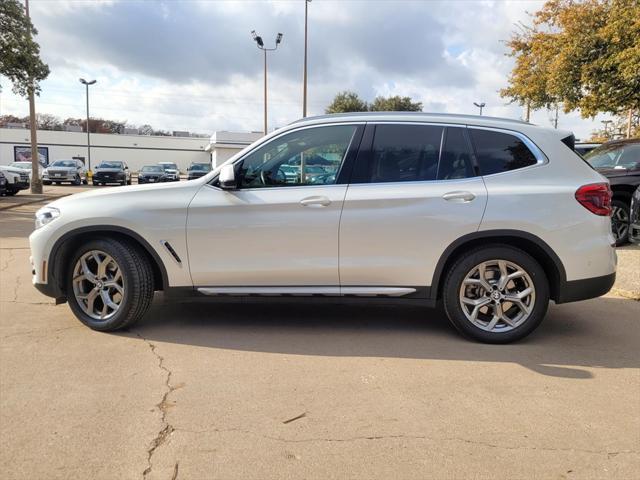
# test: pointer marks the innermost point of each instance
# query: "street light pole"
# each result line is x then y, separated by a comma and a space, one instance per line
480, 106
260, 43
86, 84
304, 74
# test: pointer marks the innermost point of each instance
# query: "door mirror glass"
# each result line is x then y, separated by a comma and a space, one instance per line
227, 177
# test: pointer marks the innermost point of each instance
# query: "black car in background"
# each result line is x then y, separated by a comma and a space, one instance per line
112, 172
3, 184
619, 161
634, 227
197, 170
152, 174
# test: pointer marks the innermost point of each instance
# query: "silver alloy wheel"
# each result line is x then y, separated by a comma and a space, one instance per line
619, 222
98, 284
497, 296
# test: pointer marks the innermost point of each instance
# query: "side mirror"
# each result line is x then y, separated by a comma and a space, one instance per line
227, 177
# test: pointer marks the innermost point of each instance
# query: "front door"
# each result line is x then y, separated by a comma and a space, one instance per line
280, 226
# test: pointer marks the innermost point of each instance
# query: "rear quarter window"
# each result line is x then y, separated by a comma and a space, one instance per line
500, 152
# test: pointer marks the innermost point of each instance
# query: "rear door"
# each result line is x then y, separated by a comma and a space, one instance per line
415, 189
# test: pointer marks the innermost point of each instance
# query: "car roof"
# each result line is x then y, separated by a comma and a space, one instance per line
411, 117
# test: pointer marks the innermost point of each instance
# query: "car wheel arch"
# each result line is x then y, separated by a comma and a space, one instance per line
64, 246
529, 243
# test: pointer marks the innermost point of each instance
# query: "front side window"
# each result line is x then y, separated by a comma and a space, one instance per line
500, 152
311, 156
405, 153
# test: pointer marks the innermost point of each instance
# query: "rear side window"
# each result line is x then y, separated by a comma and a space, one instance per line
455, 161
500, 152
404, 153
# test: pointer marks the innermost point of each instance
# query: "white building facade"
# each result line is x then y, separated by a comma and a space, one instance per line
136, 150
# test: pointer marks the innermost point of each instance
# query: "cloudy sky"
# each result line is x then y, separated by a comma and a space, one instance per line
191, 65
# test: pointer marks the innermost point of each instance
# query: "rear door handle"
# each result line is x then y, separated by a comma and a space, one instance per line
459, 197
316, 201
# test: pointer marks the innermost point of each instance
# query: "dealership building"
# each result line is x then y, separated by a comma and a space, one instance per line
137, 150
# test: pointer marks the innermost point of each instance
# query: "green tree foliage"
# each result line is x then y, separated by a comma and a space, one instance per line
347, 101
583, 54
19, 54
395, 104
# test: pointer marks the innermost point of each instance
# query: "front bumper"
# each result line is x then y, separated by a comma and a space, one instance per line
108, 177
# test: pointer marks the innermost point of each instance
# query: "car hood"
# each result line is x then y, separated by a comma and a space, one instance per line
6, 168
613, 172
51, 167
108, 170
147, 174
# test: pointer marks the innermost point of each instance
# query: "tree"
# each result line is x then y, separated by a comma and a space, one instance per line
585, 55
19, 54
46, 121
345, 102
20, 62
395, 104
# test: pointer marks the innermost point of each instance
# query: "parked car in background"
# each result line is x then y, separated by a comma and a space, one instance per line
112, 171
171, 171
197, 170
634, 225
26, 166
619, 161
17, 179
61, 171
151, 174
3, 184
584, 148
492, 217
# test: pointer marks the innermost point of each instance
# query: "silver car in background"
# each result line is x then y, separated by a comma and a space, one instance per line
72, 171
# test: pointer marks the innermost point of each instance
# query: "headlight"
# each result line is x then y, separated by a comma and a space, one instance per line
46, 215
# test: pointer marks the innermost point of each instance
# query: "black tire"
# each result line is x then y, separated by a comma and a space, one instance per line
45, 182
10, 192
465, 263
129, 182
620, 226
85, 181
138, 284
77, 180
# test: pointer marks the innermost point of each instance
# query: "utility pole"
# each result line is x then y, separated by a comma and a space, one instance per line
36, 181
86, 84
480, 106
606, 125
629, 118
304, 74
260, 43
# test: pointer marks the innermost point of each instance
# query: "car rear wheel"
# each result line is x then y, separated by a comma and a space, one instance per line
620, 220
109, 284
496, 294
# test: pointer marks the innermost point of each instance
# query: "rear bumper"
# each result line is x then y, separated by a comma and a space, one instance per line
576, 290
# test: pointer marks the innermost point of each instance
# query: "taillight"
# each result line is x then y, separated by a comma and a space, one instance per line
595, 197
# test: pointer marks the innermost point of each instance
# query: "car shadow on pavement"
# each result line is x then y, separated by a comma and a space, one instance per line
576, 335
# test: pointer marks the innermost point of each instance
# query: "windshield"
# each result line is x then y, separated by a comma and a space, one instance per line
615, 156
152, 168
169, 166
64, 163
200, 167
22, 165
110, 165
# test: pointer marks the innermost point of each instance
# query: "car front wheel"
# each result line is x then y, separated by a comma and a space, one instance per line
496, 294
109, 284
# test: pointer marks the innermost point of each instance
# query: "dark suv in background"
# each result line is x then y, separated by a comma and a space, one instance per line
197, 170
619, 161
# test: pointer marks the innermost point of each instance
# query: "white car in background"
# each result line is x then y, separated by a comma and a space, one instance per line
17, 179
26, 166
492, 217
172, 173
60, 171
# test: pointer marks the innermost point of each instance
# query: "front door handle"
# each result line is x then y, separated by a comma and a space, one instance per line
459, 197
316, 201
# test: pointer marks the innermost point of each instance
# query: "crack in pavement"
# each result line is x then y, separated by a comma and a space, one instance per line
166, 428
410, 437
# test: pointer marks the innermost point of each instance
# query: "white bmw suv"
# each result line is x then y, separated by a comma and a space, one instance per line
492, 217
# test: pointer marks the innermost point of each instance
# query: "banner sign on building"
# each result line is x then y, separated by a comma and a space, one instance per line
23, 154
